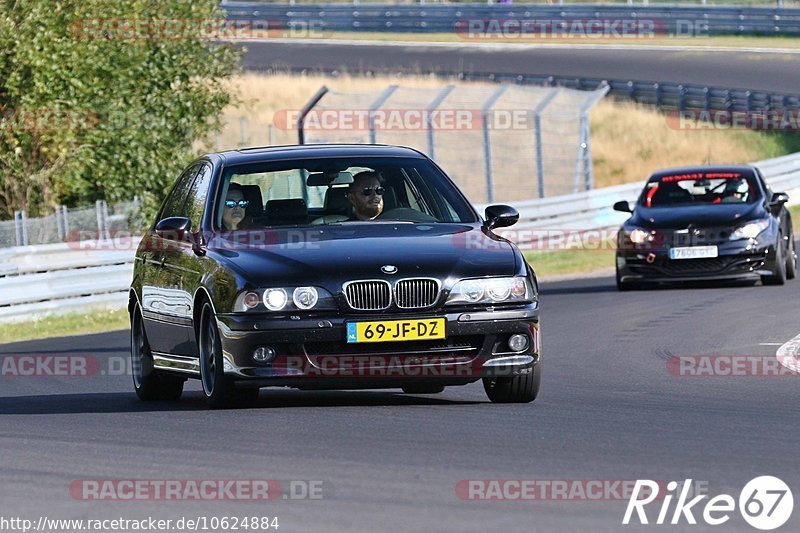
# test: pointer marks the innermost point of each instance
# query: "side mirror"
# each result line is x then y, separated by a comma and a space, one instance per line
779, 198
624, 206
173, 228
501, 216
777, 201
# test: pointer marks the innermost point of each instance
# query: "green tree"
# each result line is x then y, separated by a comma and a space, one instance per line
102, 99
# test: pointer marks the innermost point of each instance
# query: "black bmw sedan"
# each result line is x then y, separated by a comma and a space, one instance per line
329, 267
706, 223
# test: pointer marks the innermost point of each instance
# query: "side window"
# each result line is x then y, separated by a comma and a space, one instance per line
198, 193
175, 204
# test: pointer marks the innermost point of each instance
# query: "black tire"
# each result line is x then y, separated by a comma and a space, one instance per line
791, 259
423, 389
514, 389
778, 276
149, 384
219, 389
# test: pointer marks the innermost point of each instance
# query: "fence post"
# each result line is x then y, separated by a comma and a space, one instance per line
271, 131
373, 138
537, 137
301, 136
431, 110
62, 223
244, 138
487, 145
101, 209
585, 142
21, 228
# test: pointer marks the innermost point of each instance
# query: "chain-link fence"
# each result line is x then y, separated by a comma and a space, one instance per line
504, 143
71, 224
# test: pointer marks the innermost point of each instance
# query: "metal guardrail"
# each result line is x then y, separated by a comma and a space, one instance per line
445, 18
663, 95
68, 277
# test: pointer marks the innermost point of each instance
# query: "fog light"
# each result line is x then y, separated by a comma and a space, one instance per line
264, 354
517, 343
251, 300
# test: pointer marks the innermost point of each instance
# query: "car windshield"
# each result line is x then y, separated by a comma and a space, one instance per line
338, 191
700, 188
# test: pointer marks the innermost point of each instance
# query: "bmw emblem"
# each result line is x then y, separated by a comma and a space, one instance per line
389, 269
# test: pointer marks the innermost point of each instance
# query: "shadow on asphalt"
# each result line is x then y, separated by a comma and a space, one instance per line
110, 349
124, 402
562, 288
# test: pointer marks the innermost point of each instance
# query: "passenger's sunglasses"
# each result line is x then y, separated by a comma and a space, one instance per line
234, 203
367, 191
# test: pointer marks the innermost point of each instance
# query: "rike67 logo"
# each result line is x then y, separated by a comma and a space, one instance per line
765, 502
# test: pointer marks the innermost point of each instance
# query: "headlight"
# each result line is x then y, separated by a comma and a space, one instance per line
751, 230
640, 236
284, 299
492, 291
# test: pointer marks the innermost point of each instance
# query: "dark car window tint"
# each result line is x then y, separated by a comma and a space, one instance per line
198, 192
175, 206
700, 188
414, 191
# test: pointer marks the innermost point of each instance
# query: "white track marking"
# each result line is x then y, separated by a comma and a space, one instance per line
527, 46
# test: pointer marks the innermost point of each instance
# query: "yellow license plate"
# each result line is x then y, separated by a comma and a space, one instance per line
396, 330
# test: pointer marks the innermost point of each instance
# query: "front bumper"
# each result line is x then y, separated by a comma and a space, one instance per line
312, 351
737, 260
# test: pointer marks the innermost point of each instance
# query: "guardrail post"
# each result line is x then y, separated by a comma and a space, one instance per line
101, 208
657, 88
707, 94
429, 119
537, 138
487, 146
62, 223
681, 97
21, 228
373, 137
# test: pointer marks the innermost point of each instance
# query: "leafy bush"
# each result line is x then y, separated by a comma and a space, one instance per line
88, 111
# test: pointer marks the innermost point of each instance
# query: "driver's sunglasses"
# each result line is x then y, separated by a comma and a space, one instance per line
367, 191
234, 203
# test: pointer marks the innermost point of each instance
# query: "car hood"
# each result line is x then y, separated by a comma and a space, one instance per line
698, 215
330, 255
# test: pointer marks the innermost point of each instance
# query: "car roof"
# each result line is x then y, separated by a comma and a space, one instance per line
303, 151
741, 169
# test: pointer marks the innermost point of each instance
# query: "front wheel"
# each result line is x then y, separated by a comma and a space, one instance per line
523, 388
149, 385
791, 259
219, 389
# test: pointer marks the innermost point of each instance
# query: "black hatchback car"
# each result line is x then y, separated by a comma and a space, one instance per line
329, 267
706, 223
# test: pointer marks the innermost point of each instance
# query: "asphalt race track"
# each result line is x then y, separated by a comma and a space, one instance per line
609, 410
775, 72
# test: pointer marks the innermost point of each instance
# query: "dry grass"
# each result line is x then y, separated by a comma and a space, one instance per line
629, 140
